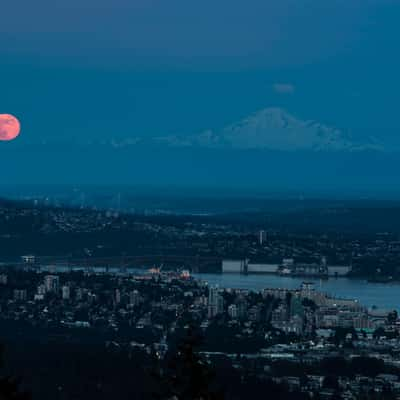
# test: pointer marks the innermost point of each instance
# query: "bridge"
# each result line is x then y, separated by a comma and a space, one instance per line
311, 270
192, 262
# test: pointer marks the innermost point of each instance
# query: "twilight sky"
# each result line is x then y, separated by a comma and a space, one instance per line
112, 69
135, 67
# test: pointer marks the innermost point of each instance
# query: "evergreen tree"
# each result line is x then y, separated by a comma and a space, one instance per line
185, 376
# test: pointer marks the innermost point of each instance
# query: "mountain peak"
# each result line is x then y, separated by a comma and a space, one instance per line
276, 129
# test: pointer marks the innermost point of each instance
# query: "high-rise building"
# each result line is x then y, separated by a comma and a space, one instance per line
296, 306
51, 283
66, 292
79, 294
212, 295
215, 302
41, 290
134, 298
117, 296
262, 237
233, 311
220, 304
3, 279
254, 313
361, 321
242, 309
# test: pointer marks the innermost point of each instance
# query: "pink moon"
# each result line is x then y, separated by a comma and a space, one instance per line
9, 127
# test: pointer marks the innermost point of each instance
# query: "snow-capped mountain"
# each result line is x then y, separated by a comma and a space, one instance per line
273, 129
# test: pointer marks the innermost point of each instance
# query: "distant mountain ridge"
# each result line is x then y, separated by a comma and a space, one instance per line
272, 129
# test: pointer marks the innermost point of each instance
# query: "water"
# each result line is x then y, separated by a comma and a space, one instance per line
385, 296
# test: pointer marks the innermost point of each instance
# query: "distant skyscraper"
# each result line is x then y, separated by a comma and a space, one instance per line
212, 295
220, 304
117, 296
215, 302
262, 237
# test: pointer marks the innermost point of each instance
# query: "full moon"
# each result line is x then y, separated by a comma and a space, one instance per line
9, 127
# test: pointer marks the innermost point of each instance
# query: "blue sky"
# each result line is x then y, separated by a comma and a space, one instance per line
113, 68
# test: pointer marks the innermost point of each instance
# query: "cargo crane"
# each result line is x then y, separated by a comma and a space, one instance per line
156, 271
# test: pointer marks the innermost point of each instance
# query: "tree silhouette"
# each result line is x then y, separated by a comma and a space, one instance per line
185, 376
9, 386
